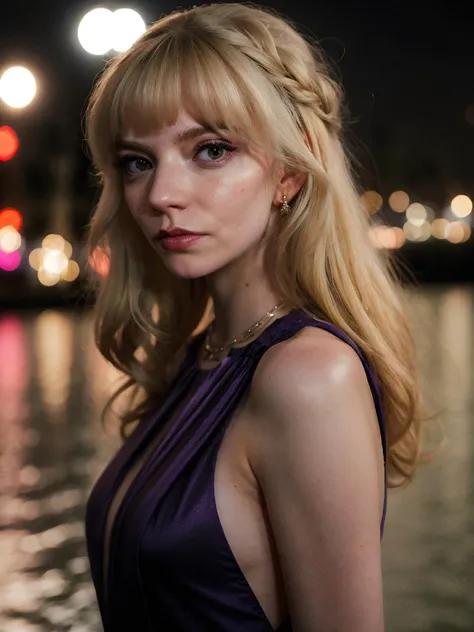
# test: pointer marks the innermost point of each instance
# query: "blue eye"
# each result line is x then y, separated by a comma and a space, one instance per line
133, 165
216, 147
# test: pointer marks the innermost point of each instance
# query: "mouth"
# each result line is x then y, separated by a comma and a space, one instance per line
162, 236
179, 242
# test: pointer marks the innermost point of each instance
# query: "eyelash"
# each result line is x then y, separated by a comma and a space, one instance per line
122, 162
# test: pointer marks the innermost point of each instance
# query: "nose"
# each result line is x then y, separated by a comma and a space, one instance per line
168, 187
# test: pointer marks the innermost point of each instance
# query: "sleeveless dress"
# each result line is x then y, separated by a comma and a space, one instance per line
168, 566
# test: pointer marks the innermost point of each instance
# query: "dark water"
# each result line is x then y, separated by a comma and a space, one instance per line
53, 384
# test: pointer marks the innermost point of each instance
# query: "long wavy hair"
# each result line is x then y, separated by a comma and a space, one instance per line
246, 69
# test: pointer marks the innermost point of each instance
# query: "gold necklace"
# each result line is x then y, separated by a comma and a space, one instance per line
213, 352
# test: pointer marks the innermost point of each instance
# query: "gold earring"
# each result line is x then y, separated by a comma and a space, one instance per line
285, 208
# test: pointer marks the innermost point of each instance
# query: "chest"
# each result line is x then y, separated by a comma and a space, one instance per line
194, 516
213, 530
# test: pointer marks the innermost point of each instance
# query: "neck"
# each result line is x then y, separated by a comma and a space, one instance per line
241, 300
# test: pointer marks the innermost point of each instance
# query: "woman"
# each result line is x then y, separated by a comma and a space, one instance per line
270, 350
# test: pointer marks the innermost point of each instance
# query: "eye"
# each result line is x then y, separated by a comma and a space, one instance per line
133, 165
217, 151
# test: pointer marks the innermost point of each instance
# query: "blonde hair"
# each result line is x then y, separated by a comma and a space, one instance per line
246, 69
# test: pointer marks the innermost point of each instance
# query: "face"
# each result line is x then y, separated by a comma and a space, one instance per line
188, 177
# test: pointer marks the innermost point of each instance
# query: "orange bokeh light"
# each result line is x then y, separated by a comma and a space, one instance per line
9, 143
11, 217
99, 262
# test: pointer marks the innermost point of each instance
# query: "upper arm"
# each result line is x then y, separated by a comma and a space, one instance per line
317, 455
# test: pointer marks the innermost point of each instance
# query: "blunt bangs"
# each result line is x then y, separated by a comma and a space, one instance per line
221, 89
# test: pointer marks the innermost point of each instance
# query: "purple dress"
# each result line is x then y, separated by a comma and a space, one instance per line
170, 567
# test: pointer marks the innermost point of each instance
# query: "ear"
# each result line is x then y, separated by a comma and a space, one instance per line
289, 184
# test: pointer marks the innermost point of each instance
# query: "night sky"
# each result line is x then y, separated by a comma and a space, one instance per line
407, 69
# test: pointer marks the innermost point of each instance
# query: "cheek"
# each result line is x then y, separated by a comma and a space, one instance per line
242, 197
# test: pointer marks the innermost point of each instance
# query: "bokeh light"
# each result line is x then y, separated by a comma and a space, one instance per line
461, 205
417, 214
99, 262
388, 237
102, 30
35, 258
11, 217
57, 242
458, 232
71, 272
399, 201
438, 228
127, 26
54, 261
10, 261
94, 31
417, 233
10, 239
17, 87
9, 143
372, 201
467, 232
47, 278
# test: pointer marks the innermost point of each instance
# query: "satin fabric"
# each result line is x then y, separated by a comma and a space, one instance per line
170, 567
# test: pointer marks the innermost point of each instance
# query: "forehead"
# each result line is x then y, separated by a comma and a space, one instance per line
184, 128
162, 96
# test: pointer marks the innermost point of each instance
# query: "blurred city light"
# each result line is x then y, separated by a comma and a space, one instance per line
9, 261
57, 242
372, 201
127, 27
52, 261
415, 232
11, 217
438, 228
9, 143
467, 231
35, 258
399, 201
10, 239
417, 214
102, 30
458, 232
461, 206
17, 87
99, 262
71, 272
47, 278
389, 237
94, 32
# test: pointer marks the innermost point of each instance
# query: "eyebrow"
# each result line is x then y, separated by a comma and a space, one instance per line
181, 137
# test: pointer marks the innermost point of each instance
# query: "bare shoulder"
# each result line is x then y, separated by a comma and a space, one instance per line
314, 383
313, 359
316, 454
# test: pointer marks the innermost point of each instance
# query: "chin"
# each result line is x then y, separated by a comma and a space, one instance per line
190, 270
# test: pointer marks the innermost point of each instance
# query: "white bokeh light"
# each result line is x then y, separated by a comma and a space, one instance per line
54, 261
17, 87
102, 30
95, 31
10, 239
127, 27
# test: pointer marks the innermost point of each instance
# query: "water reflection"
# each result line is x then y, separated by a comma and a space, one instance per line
429, 540
53, 340
53, 384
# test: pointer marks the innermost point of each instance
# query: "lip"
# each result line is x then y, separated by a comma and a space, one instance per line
179, 242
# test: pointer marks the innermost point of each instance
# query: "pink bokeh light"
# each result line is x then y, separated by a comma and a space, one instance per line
9, 261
